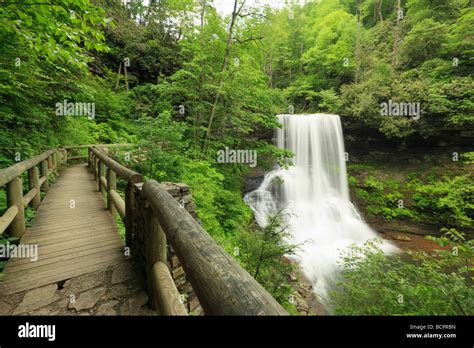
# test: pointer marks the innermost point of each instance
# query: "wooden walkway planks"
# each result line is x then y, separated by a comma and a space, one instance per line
71, 241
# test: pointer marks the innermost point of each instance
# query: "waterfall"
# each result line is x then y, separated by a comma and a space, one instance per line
315, 195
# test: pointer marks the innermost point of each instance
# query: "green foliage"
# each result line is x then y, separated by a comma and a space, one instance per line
198, 82
262, 252
206, 186
161, 143
45, 61
424, 285
383, 198
468, 157
449, 201
328, 60
439, 199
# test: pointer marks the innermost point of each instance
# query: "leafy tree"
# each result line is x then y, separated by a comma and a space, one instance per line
262, 254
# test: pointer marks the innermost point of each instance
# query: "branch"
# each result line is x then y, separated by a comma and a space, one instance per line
240, 8
30, 4
249, 39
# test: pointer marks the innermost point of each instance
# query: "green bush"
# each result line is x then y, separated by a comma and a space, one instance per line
424, 285
449, 201
261, 253
383, 198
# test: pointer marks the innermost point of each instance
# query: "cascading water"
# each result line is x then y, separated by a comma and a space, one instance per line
315, 197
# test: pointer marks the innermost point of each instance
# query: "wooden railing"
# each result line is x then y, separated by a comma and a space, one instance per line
14, 217
11, 177
164, 294
222, 286
66, 151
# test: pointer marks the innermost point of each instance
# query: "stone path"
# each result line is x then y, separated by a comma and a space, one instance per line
116, 290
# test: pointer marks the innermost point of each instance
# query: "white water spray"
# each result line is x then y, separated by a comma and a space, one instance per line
315, 194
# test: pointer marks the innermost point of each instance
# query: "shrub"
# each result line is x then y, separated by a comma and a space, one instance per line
423, 285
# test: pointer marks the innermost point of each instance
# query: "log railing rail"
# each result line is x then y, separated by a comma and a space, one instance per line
14, 217
65, 151
222, 286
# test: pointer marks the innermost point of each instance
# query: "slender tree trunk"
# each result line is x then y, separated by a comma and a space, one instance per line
375, 11
118, 75
380, 10
396, 36
260, 260
235, 13
197, 117
357, 45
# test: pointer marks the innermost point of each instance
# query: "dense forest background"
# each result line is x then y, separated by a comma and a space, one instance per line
183, 81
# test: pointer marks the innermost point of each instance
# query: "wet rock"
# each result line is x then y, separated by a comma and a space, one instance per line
401, 237
122, 272
183, 187
5, 308
88, 299
178, 272
107, 308
37, 298
137, 301
83, 283
118, 291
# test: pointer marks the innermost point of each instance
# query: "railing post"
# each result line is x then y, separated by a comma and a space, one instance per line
155, 245
45, 172
95, 160
129, 213
55, 163
155, 239
89, 158
50, 163
33, 176
165, 294
60, 155
15, 197
111, 185
99, 174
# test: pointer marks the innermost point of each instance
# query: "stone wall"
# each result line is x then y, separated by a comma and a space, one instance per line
182, 194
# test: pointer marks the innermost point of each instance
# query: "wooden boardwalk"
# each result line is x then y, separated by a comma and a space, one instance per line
74, 232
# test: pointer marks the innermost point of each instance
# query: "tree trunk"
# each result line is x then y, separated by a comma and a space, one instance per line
357, 45
396, 36
197, 115
235, 13
380, 10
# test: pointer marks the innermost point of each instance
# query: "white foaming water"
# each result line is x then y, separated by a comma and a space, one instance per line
315, 194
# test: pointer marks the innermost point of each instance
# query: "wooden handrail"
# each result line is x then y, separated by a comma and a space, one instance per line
7, 218
10, 173
221, 284
14, 217
127, 174
96, 145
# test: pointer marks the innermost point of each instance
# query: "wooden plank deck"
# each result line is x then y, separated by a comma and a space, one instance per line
71, 241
